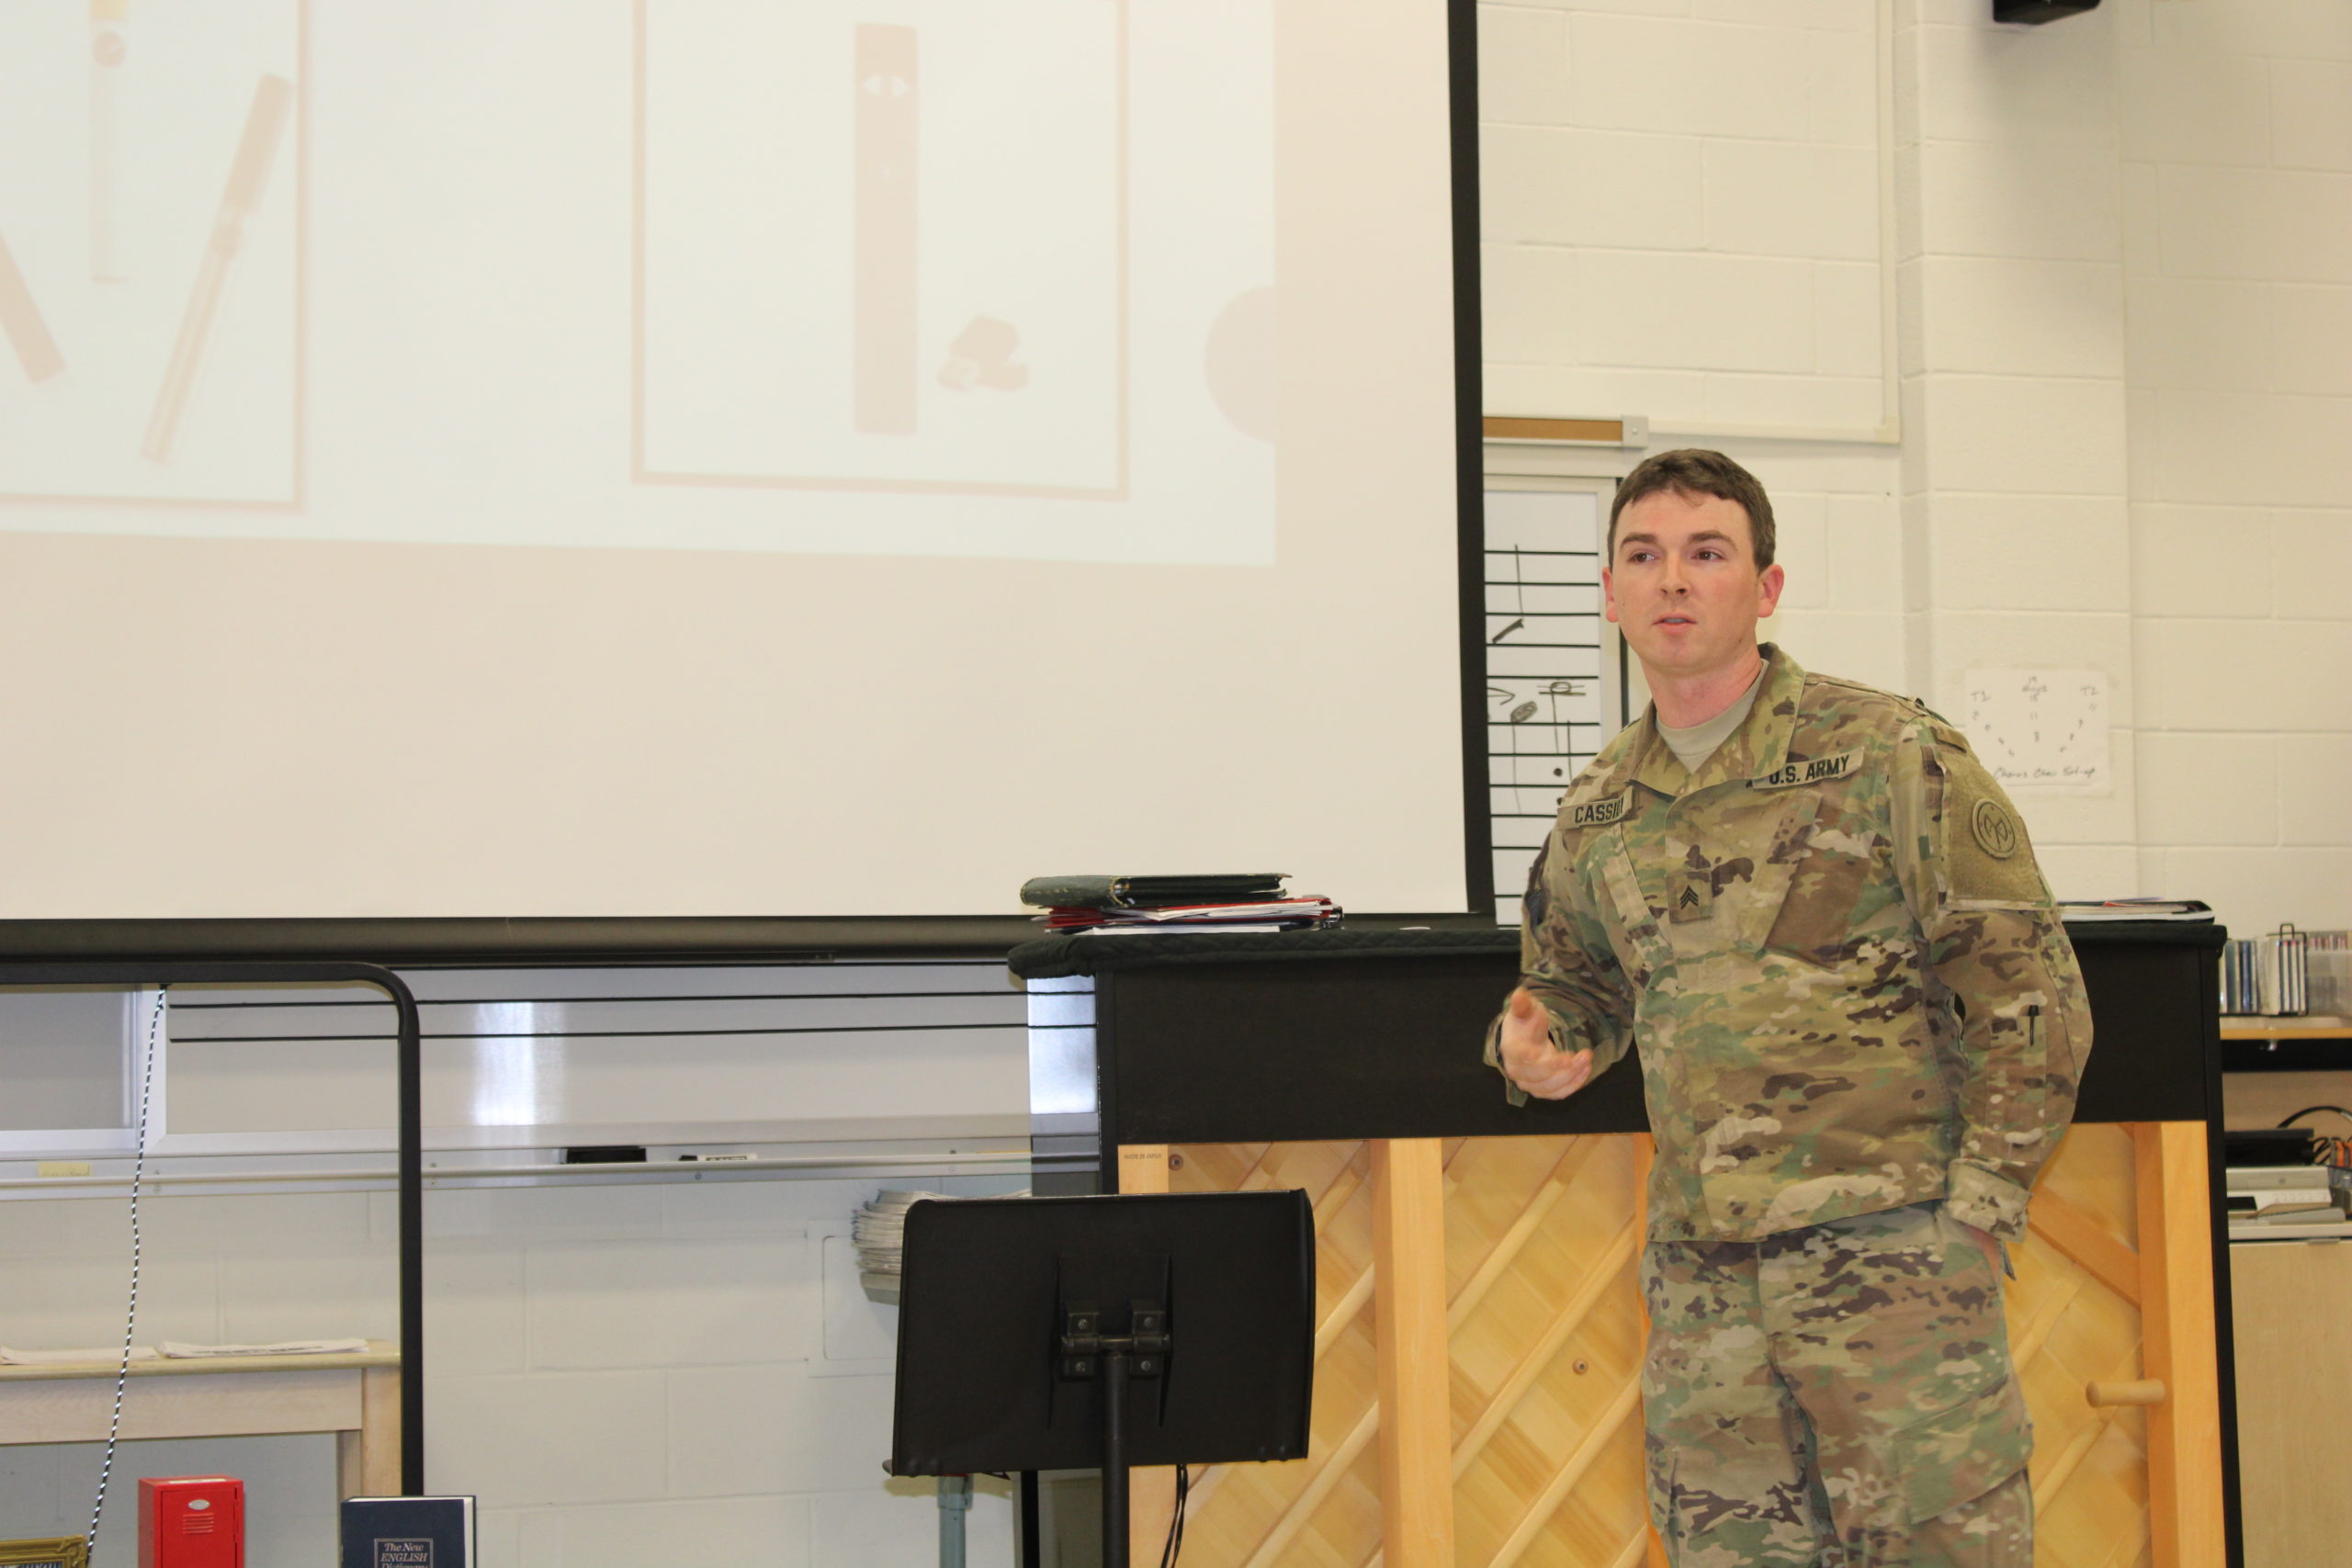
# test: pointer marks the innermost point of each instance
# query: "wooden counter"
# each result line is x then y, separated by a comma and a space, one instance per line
355, 1396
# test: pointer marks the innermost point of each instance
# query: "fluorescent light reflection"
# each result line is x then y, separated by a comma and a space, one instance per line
507, 1071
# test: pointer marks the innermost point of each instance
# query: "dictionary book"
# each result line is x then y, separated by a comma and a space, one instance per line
408, 1532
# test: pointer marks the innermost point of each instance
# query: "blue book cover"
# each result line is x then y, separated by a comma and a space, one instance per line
408, 1532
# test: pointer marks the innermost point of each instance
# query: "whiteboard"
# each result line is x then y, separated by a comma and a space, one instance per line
850, 1056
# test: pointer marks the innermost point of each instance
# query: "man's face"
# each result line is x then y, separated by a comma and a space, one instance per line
1683, 584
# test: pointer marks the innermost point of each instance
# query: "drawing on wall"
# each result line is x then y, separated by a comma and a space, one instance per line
149, 287
882, 245
2040, 731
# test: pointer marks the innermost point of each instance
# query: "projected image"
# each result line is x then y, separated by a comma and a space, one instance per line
884, 244
148, 224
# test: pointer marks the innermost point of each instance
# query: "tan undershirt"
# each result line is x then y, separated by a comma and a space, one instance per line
1693, 745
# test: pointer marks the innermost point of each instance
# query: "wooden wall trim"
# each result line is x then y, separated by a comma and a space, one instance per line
1520, 427
1409, 1296
2186, 1524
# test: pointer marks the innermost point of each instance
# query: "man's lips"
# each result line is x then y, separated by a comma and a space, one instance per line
1675, 621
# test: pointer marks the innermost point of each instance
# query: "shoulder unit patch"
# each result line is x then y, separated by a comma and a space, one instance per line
1995, 829
1988, 853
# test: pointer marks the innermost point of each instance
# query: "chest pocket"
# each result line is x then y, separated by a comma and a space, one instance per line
1722, 869
1833, 859
1683, 879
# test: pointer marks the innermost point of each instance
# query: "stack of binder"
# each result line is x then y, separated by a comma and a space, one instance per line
1105, 906
2176, 911
2328, 973
2267, 977
878, 1231
2285, 1198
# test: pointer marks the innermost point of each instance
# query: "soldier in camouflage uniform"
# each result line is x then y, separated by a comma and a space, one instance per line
1860, 1026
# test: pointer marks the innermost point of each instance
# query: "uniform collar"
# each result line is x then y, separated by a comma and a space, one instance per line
1757, 747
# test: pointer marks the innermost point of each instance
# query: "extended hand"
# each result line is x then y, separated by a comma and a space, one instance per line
1531, 1061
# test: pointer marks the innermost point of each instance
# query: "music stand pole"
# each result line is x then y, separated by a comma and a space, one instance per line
1114, 1458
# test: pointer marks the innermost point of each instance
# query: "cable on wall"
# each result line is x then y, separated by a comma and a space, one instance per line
131, 1312
1174, 1549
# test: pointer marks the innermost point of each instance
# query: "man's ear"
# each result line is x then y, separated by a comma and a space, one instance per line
1608, 594
1767, 591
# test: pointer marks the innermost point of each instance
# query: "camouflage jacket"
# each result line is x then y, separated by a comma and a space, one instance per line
1848, 985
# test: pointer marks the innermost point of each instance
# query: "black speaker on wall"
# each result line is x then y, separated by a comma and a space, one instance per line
2036, 11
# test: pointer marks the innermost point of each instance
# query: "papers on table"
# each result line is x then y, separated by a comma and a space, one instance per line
2287, 1195
1082, 905
2185, 912
1275, 913
1226, 928
878, 1231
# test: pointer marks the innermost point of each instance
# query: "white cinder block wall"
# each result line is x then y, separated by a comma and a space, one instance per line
2237, 201
624, 1374
2121, 265
2013, 361
1681, 209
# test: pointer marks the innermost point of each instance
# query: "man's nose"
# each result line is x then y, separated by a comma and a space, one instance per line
1671, 580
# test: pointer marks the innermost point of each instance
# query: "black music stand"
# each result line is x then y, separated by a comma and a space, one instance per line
1071, 1333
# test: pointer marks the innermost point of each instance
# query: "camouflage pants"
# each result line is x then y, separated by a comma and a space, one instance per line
1837, 1396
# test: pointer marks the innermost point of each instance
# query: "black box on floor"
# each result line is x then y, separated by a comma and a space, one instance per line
2268, 1146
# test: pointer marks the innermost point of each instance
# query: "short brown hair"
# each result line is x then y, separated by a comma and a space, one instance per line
1695, 471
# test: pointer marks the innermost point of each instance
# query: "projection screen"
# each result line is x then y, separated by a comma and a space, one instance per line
727, 457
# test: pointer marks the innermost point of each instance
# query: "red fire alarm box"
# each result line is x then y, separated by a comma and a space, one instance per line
191, 1521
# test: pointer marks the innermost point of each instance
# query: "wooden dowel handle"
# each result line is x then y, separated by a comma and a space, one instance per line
2146, 1391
